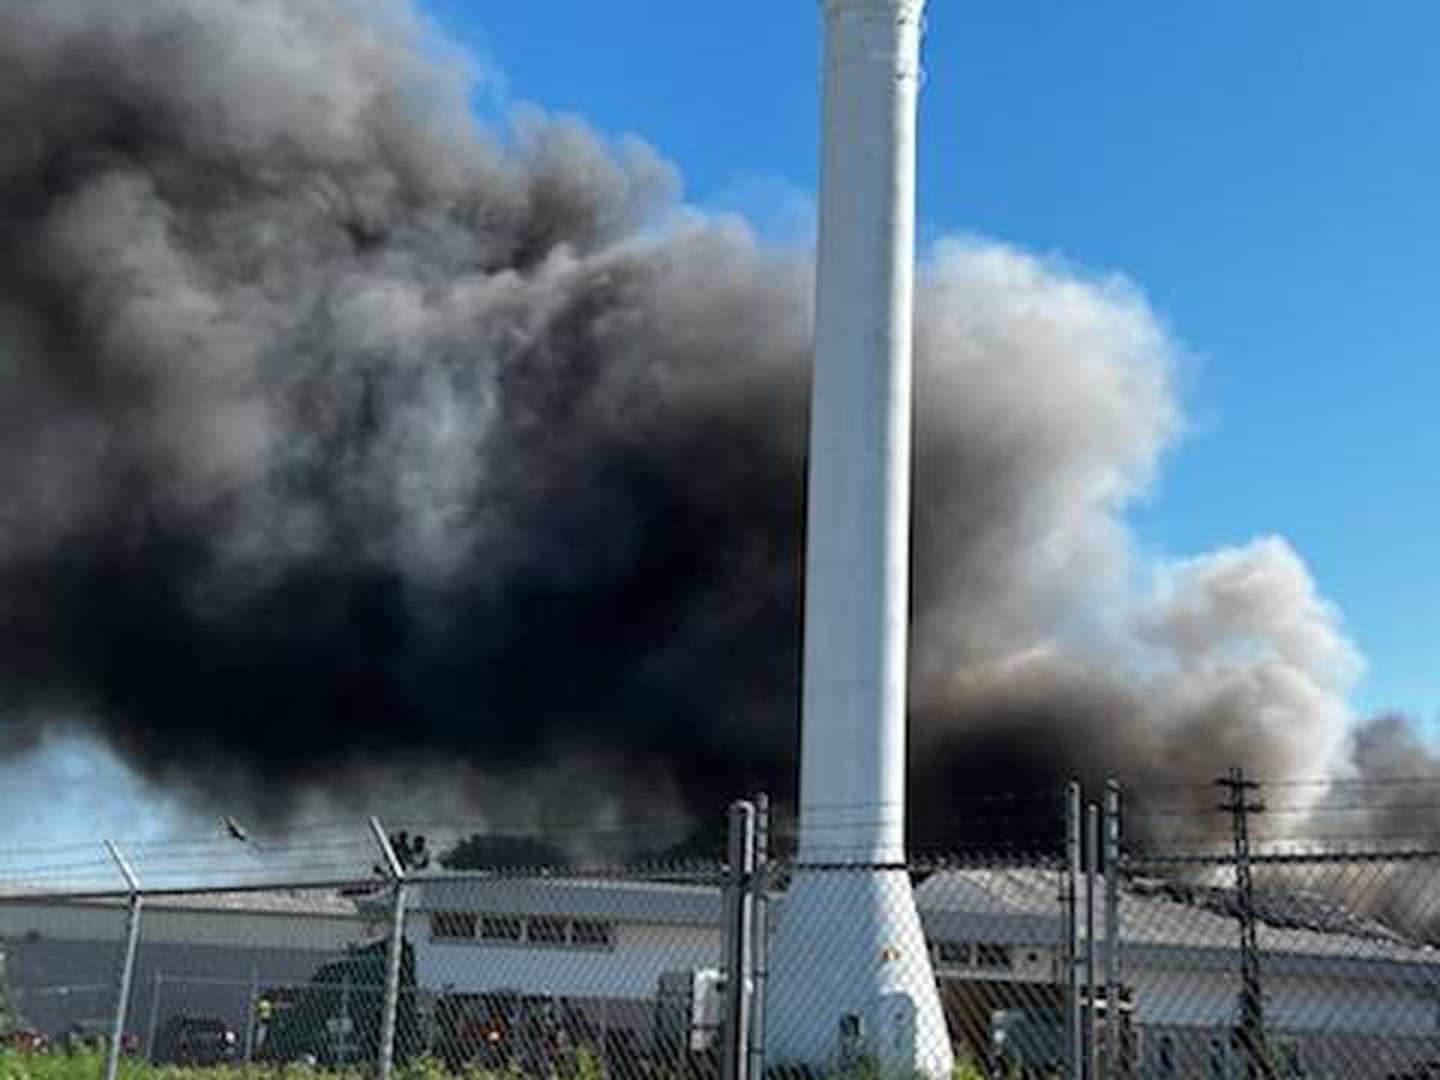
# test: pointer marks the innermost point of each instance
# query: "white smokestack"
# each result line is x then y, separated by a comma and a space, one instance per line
850, 957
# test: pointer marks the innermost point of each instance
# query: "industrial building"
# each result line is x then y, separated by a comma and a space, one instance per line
206, 955
1343, 995
1345, 999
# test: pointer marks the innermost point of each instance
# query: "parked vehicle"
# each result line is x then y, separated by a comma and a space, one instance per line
335, 1018
196, 1040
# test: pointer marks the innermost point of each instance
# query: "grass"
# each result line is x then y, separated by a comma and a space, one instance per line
91, 1067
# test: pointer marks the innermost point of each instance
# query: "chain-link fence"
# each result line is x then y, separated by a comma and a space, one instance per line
555, 972
1297, 939
1323, 966
1164, 957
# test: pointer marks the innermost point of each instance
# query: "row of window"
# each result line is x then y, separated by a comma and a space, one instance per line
550, 931
972, 954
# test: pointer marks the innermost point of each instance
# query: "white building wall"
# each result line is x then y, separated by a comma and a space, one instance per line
641, 953
1315, 1003
1318, 1002
49, 921
1181, 996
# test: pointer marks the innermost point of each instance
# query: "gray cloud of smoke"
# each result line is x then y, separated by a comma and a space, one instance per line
344, 438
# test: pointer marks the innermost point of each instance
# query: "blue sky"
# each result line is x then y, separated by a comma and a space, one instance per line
1266, 172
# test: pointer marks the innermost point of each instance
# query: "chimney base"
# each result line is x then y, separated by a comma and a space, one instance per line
850, 979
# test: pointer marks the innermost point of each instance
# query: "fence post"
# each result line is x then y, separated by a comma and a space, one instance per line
759, 936
252, 1008
153, 1022
1075, 1030
344, 1025
391, 1002
735, 1052
1092, 866
127, 965
1116, 1057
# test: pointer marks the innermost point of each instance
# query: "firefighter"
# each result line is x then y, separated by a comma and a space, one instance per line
264, 1014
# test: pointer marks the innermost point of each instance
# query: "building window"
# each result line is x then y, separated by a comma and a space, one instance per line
551, 931
956, 953
452, 925
1167, 1057
995, 957
502, 928
1218, 1070
1291, 1063
592, 934
548, 930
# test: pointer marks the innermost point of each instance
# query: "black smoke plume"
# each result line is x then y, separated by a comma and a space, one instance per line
349, 447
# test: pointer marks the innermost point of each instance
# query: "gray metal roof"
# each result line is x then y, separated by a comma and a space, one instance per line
310, 903
665, 903
1025, 905
1019, 905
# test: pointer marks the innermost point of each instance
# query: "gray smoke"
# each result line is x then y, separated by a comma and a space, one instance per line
345, 439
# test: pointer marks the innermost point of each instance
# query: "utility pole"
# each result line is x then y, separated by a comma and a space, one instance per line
1250, 1029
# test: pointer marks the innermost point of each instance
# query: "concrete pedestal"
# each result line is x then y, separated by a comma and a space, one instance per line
850, 978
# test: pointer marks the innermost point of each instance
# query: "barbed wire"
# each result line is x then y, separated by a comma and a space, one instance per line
1147, 808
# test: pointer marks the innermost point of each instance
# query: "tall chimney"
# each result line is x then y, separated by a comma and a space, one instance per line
851, 974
